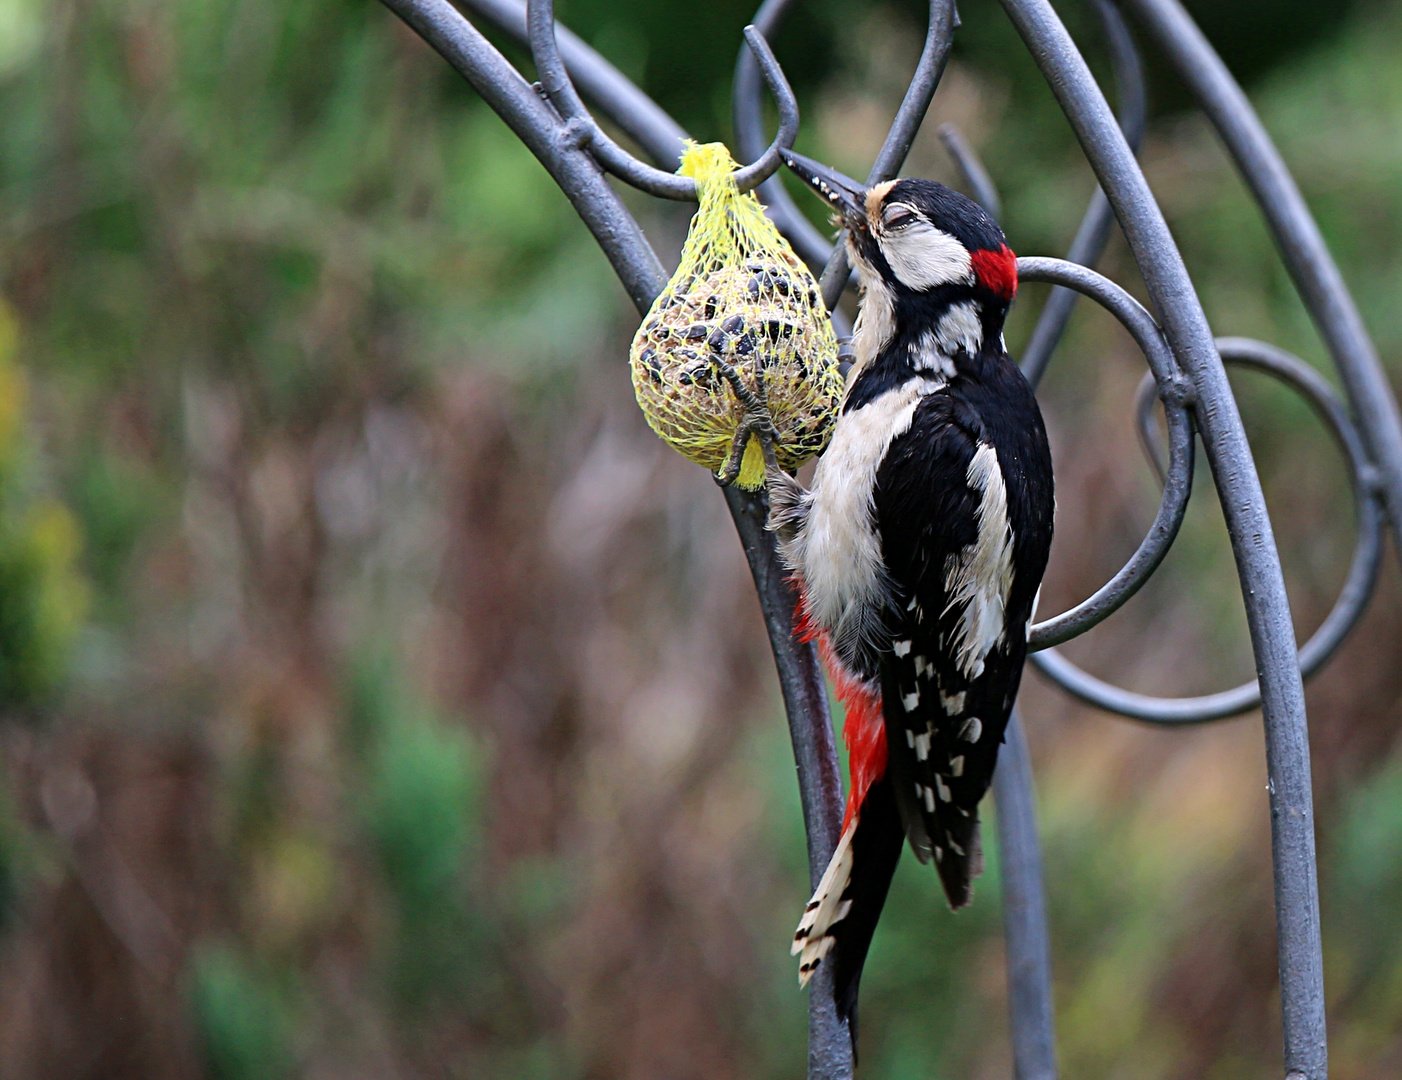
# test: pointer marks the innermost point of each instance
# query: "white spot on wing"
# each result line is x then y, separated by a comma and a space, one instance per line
911, 700
956, 766
922, 745
930, 807
972, 730
900, 648
953, 704
943, 788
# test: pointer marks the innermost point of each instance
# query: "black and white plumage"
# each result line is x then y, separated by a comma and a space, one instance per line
919, 549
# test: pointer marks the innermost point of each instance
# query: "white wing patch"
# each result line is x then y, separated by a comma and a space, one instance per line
981, 576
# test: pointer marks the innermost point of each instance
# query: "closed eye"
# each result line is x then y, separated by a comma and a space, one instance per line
897, 217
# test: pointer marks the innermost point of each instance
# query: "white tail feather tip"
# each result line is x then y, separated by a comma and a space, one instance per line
812, 940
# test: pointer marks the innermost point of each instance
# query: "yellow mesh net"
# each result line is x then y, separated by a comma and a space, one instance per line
741, 296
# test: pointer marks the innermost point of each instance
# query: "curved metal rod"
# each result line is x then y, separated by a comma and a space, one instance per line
555, 81
801, 679
1302, 248
812, 246
939, 35
1353, 596
1248, 525
615, 95
981, 185
1024, 910
1176, 393
756, 172
1149, 439
1094, 231
536, 125
600, 83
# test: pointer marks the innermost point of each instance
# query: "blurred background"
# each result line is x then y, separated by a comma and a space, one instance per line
380, 698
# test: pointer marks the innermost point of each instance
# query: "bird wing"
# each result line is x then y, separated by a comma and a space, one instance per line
957, 645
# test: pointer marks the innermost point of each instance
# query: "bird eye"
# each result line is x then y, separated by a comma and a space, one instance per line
897, 217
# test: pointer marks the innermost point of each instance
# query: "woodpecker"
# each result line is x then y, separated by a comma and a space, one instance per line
919, 550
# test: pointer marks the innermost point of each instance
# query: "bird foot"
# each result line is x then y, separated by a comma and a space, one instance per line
756, 421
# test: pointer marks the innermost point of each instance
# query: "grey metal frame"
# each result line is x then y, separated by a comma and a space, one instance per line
1186, 374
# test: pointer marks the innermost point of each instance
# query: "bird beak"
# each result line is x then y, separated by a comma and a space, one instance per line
845, 195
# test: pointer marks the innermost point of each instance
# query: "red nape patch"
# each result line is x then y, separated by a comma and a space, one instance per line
864, 730
997, 271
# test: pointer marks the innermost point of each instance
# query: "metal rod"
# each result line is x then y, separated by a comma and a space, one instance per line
1033, 1020
815, 755
981, 185
1248, 525
812, 246
556, 84
1094, 231
555, 81
600, 83
536, 124
1149, 439
1026, 936
1348, 606
1302, 247
1177, 394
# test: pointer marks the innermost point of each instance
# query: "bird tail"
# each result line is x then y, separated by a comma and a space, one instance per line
959, 868
841, 918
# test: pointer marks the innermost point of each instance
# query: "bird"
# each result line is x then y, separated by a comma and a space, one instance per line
918, 550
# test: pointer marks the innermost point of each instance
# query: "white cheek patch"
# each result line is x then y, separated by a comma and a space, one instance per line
922, 257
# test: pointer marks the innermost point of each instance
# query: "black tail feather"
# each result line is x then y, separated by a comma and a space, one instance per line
876, 849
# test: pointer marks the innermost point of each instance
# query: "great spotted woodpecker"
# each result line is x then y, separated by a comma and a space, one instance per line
919, 550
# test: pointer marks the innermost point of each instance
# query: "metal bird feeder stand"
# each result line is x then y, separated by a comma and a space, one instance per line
1186, 373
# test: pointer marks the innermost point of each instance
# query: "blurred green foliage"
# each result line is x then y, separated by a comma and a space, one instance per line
43, 597
245, 1020
422, 812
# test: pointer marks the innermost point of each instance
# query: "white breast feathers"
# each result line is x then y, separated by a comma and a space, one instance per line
838, 553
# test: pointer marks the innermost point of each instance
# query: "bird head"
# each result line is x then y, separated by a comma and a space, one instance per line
920, 249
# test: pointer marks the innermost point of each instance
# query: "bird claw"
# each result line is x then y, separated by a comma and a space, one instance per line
756, 421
